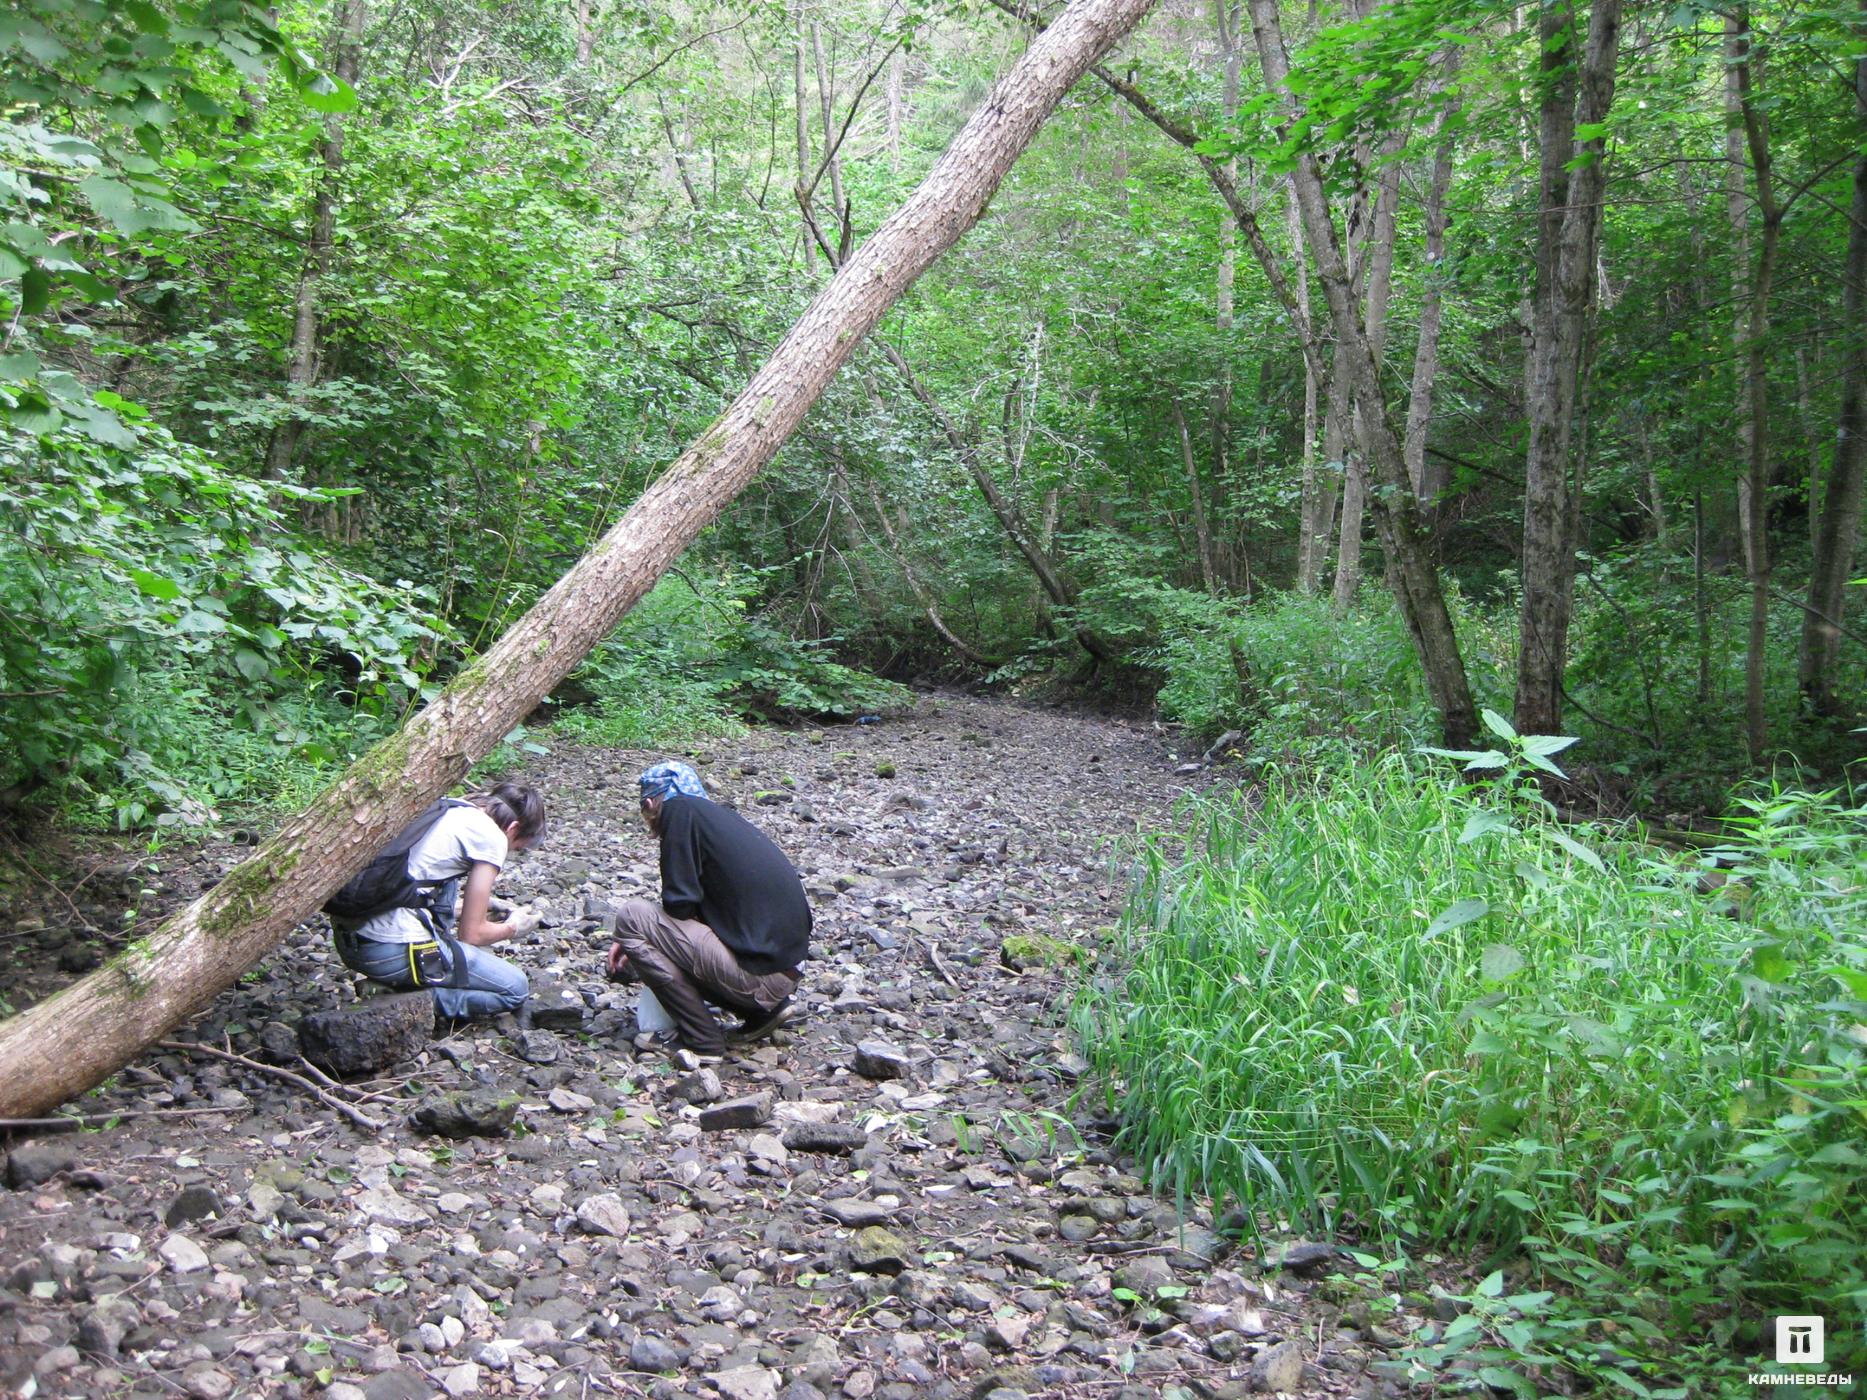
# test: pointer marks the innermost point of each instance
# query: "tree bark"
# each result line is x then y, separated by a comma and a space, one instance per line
1202, 533
798, 94
69, 1041
301, 370
826, 103
1416, 583
1429, 484
1754, 489
1377, 260
1837, 532
1316, 496
1568, 229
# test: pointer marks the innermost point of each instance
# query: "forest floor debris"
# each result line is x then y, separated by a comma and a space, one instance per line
900, 1194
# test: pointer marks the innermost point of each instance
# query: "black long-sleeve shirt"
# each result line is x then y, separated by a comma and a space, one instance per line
720, 869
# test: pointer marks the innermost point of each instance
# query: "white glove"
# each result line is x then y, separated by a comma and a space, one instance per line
525, 923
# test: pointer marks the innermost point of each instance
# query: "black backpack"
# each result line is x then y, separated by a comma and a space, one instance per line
384, 883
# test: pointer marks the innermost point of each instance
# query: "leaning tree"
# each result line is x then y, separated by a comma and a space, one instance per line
70, 1041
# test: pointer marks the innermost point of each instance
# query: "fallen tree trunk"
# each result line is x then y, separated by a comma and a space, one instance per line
70, 1041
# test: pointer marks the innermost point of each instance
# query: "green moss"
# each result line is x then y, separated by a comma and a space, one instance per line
1023, 951
240, 897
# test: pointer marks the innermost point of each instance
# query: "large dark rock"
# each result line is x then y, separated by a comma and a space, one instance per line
476, 1113
748, 1112
375, 1034
33, 1163
557, 1006
825, 1137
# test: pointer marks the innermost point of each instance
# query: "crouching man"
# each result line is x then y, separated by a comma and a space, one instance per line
732, 926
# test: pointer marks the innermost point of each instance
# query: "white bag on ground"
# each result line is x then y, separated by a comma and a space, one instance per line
651, 1017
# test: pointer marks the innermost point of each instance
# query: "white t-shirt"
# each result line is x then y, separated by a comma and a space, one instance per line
462, 838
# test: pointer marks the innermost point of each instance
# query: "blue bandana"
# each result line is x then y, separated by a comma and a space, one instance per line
671, 780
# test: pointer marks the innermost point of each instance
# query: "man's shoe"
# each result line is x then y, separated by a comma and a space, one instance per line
780, 1015
669, 1043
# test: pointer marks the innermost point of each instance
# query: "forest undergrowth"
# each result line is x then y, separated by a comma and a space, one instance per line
1433, 1022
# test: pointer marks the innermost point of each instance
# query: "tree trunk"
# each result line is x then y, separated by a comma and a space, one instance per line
1754, 493
586, 33
1429, 484
826, 103
1377, 261
1316, 497
798, 94
69, 1041
1202, 533
301, 370
1416, 582
1568, 227
1838, 529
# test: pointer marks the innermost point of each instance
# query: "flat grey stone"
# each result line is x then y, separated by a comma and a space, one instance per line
752, 1111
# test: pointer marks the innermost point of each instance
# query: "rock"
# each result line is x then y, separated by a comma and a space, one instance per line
876, 1059
1278, 1367
1307, 1259
749, 1112
1195, 1247
746, 1383
33, 1163
463, 1379
374, 1034
475, 1113
278, 1042
1144, 1275
652, 1354
182, 1254
204, 1381
104, 1326
556, 1006
539, 1047
397, 1385
604, 1215
192, 1203
569, 1101
856, 1215
876, 1250
701, 1086
263, 1200
841, 1138
389, 1206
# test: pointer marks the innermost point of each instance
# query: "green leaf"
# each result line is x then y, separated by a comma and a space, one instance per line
1481, 824
35, 291
251, 664
1492, 1286
1500, 962
324, 92
1546, 744
1498, 725
1491, 758
1460, 914
1575, 848
155, 585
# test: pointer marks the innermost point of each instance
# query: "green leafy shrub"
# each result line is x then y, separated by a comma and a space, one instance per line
147, 594
1411, 1014
690, 660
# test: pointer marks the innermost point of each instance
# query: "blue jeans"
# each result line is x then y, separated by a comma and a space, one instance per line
493, 984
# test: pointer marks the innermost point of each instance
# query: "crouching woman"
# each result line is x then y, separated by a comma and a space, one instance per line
395, 922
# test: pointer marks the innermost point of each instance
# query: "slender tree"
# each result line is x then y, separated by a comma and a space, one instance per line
1574, 105
1837, 530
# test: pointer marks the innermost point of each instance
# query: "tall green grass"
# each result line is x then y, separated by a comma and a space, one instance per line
1364, 1003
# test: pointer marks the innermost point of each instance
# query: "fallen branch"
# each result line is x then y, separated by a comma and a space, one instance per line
73, 1121
933, 961
350, 1111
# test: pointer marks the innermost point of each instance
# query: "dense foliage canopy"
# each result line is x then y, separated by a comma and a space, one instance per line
334, 333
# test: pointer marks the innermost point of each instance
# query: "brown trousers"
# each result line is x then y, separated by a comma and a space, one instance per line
685, 965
